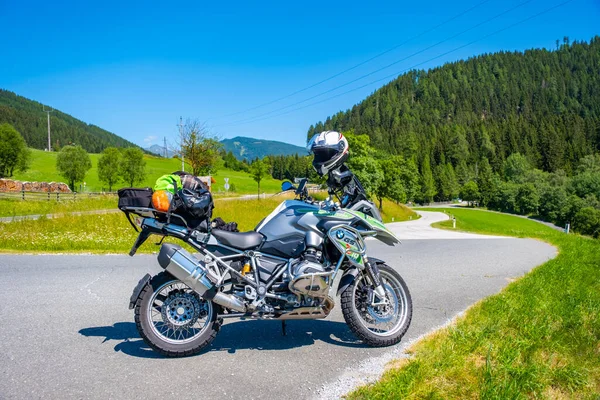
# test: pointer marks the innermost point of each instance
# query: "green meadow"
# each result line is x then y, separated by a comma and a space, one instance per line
43, 169
111, 233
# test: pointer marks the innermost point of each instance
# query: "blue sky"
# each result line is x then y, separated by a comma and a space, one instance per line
134, 68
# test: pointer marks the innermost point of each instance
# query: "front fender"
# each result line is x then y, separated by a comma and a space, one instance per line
351, 273
347, 279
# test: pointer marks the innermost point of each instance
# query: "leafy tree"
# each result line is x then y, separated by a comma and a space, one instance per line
409, 176
527, 199
552, 201
362, 162
515, 167
72, 163
391, 185
570, 209
589, 163
14, 154
259, 169
200, 150
586, 182
108, 167
508, 197
470, 192
132, 168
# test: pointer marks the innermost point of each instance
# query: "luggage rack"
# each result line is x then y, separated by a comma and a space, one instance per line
148, 212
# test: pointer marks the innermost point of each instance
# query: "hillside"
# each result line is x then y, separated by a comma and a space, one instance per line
28, 117
250, 148
544, 104
43, 168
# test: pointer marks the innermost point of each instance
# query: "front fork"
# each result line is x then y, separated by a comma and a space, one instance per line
378, 296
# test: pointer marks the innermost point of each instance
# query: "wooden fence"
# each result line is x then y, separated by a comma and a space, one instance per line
47, 196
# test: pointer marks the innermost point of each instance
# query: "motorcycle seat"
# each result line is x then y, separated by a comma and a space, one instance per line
239, 240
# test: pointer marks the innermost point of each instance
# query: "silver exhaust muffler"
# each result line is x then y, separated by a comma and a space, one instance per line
188, 269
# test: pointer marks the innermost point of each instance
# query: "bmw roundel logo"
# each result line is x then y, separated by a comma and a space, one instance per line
340, 234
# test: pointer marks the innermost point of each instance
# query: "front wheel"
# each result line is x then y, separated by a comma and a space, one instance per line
173, 319
378, 325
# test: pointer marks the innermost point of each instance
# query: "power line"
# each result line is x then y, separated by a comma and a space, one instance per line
412, 67
356, 65
388, 65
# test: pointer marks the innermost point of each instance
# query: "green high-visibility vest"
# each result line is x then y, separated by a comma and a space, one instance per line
167, 182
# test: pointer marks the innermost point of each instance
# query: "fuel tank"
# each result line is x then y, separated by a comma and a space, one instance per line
287, 226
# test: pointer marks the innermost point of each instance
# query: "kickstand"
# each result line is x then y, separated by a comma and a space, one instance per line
283, 331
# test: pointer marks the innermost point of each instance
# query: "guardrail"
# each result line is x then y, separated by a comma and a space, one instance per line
48, 196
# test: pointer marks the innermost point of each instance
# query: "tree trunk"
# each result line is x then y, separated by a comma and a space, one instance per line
380, 204
258, 192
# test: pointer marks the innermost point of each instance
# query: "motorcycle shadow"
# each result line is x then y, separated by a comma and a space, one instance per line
238, 335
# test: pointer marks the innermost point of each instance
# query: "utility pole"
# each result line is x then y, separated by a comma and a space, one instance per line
48, 112
181, 134
166, 154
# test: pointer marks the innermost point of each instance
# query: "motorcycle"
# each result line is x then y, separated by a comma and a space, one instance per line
283, 270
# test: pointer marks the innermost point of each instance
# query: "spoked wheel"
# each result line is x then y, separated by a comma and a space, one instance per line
381, 324
173, 319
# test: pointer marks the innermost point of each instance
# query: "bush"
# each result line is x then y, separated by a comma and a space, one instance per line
587, 221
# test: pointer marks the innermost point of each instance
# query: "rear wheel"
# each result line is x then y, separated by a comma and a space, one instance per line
378, 325
173, 319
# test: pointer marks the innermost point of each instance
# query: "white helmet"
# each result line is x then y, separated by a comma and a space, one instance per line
330, 149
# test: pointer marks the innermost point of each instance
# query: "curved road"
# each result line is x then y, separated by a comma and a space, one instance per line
67, 333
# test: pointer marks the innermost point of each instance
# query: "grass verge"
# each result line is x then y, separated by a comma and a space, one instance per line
10, 207
538, 338
111, 233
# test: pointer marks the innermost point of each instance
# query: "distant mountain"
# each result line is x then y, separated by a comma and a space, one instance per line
250, 148
160, 151
28, 117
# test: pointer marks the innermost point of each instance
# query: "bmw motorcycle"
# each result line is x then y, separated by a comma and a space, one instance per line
283, 270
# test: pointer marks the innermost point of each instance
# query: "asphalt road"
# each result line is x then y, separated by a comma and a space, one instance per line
66, 331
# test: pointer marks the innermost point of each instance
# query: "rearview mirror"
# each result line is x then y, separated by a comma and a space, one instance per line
285, 186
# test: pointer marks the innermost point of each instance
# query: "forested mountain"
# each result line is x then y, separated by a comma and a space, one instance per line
250, 148
28, 117
160, 151
543, 104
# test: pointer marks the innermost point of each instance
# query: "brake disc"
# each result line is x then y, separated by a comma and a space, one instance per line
384, 313
181, 308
